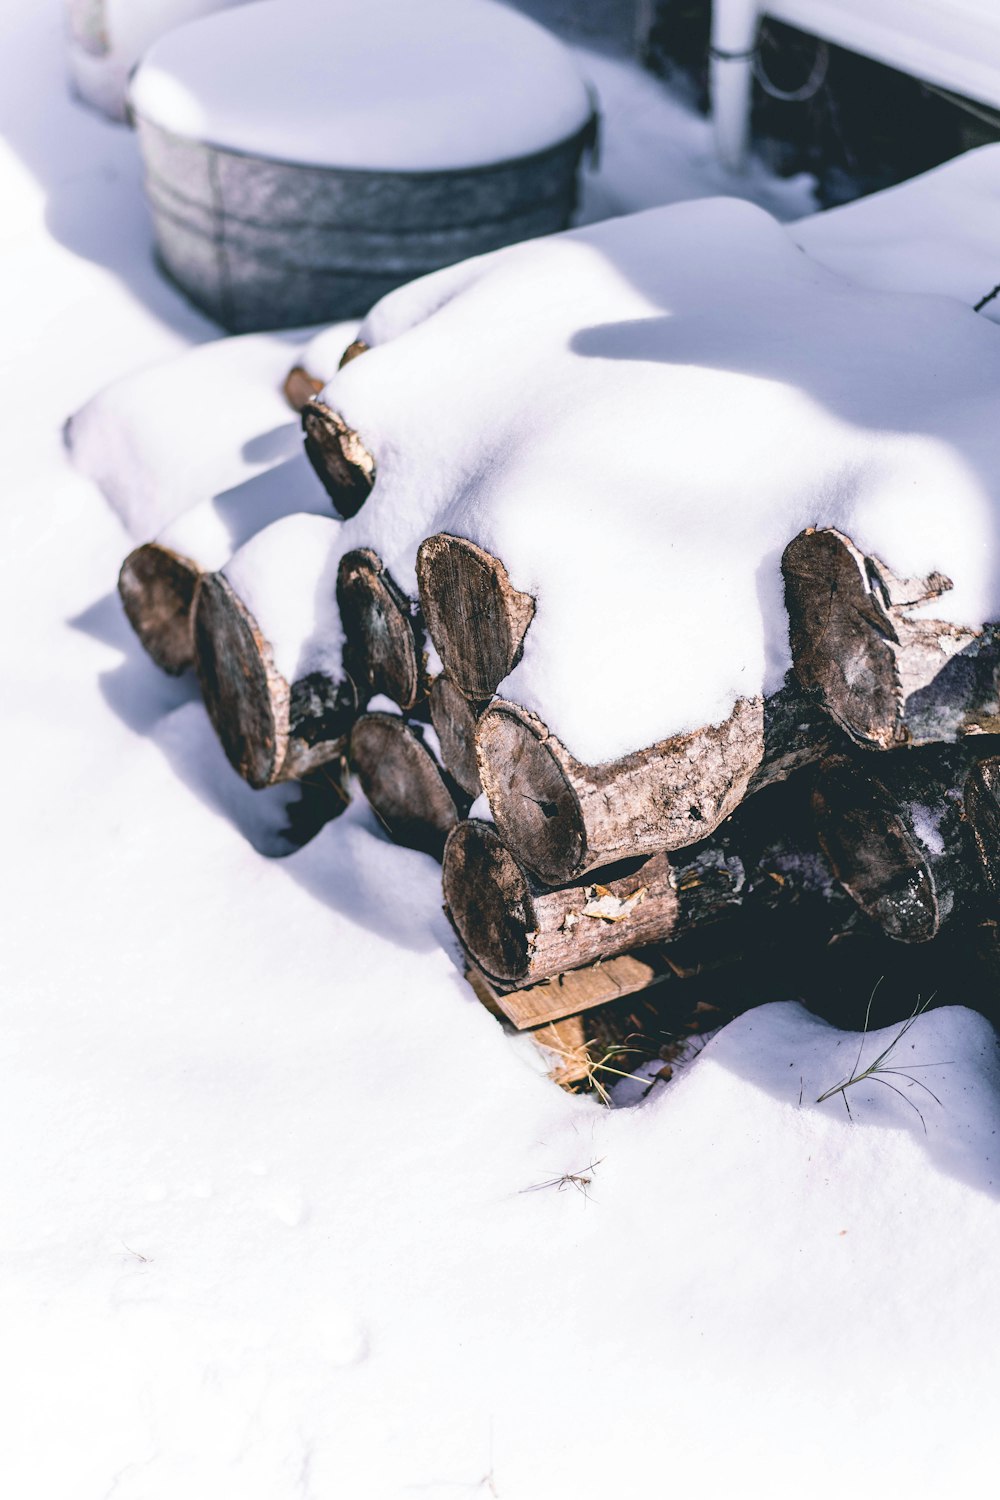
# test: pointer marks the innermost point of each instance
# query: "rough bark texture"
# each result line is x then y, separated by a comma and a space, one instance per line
270, 729
519, 933
455, 718
157, 588
563, 818
339, 457
383, 634
982, 811
894, 831
409, 794
888, 679
300, 387
476, 618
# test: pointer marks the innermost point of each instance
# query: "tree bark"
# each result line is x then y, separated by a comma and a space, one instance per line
455, 718
383, 632
563, 818
894, 831
340, 458
157, 588
271, 730
476, 618
981, 799
887, 677
408, 792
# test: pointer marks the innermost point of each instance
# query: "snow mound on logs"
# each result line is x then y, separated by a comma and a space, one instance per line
637, 416
937, 233
169, 436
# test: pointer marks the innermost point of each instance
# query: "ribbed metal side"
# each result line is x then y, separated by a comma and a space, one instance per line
267, 244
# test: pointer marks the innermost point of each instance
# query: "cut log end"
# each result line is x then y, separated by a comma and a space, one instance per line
355, 348
246, 698
842, 637
489, 901
157, 589
300, 387
340, 458
403, 783
873, 853
454, 718
381, 651
476, 618
531, 798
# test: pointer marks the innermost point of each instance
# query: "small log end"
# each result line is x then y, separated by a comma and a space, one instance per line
157, 589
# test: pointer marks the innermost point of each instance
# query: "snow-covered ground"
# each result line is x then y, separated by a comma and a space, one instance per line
265, 1231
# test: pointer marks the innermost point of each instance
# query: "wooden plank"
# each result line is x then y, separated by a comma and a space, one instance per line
569, 994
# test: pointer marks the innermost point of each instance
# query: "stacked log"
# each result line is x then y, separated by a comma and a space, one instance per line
845, 823
383, 636
888, 677
339, 456
895, 831
455, 719
413, 797
477, 619
301, 385
274, 725
564, 818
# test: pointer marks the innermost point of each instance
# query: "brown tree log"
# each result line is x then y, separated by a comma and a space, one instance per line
382, 630
157, 588
409, 794
475, 616
563, 818
339, 456
455, 718
519, 932
894, 831
887, 677
158, 580
300, 386
271, 729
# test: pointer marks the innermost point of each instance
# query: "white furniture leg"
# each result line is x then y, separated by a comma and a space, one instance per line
734, 33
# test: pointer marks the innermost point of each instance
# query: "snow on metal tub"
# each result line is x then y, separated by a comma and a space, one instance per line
259, 237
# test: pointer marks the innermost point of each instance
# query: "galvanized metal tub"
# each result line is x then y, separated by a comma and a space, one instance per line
258, 243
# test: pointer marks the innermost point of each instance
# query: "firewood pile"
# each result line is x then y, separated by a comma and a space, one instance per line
839, 834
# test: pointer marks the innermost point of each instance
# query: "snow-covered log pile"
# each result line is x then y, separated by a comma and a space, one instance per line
676, 551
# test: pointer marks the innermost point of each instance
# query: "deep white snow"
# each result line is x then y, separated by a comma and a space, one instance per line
372, 84
638, 416
264, 1231
163, 438
210, 533
938, 233
286, 575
